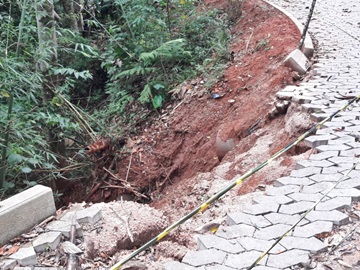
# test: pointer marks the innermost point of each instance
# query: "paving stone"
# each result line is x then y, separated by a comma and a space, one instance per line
308, 197
317, 140
318, 187
340, 168
271, 232
173, 265
89, 215
278, 218
38, 268
288, 258
324, 155
243, 260
334, 216
250, 243
235, 231
218, 267
345, 192
339, 160
48, 240
311, 244
334, 204
284, 181
295, 208
333, 147
326, 177
350, 153
212, 241
203, 257
313, 163
305, 172
7, 264
25, 256
279, 199
313, 228
242, 218
63, 226
263, 268
351, 183
285, 190
262, 208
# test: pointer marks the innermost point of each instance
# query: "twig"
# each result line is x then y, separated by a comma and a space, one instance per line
127, 173
125, 219
127, 187
45, 221
247, 44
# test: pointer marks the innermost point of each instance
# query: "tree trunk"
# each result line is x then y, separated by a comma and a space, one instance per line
70, 16
48, 58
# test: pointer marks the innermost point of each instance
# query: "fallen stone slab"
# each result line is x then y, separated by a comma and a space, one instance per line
25, 256
17, 213
279, 218
48, 240
262, 208
204, 257
235, 231
295, 208
272, 232
334, 204
297, 61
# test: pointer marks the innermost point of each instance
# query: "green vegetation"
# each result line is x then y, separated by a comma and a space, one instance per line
67, 68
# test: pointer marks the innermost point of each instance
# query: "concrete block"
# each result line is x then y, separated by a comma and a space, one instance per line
272, 232
311, 244
318, 187
326, 177
7, 264
48, 240
333, 216
19, 213
313, 228
89, 215
250, 243
203, 257
235, 231
288, 259
324, 155
25, 256
242, 218
244, 260
297, 61
212, 241
64, 226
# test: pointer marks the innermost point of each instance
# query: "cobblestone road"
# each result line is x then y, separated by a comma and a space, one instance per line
336, 30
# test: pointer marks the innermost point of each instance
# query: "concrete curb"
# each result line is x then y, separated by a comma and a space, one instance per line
308, 47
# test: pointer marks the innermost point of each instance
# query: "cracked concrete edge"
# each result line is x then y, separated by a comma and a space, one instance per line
308, 47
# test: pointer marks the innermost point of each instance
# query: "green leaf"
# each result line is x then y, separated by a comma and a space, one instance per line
26, 169
14, 158
157, 101
8, 185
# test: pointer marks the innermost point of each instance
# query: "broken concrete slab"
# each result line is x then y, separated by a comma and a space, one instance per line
14, 211
64, 226
25, 256
89, 215
7, 264
48, 240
